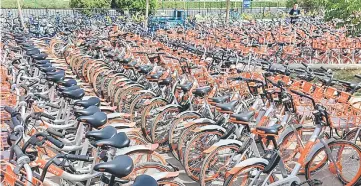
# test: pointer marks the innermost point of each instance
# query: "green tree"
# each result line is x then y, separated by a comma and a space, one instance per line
307, 4
348, 12
90, 3
136, 5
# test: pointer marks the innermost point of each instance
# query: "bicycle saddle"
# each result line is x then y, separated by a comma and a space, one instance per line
61, 89
74, 94
220, 99
119, 141
104, 133
227, 106
127, 60
89, 102
56, 72
157, 75
32, 52
96, 120
270, 129
29, 48
119, 167
47, 69
244, 116
42, 61
43, 65
40, 56
202, 91
145, 69
145, 180
68, 83
186, 87
166, 81
55, 78
26, 44
86, 112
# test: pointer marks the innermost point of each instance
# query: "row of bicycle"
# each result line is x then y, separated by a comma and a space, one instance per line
212, 121
55, 129
221, 127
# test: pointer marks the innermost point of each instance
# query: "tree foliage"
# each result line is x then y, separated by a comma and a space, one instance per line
135, 5
347, 11
90, 3
307, 4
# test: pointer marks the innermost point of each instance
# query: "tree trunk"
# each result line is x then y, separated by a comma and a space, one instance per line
21, 15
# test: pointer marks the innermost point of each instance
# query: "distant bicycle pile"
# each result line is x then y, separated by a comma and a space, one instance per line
99, 106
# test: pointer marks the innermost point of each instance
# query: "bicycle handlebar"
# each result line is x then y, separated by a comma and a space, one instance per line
306, 96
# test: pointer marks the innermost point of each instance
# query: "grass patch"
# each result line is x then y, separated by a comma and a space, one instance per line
36, 4
347, 75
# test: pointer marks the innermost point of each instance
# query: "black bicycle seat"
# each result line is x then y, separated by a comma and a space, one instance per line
86, 112
202, 91
74, 94
96, 120
245, 116
145, 69
43, 65
61, 89
32, 52
227, 106
47, 69
119, 167
119, 141
157, 75
186, 87
55, 78
220, 99
56, 72
166, 81
273, 130
40, 56
89, 102
104, 133
42, 61
143, 180
69, 83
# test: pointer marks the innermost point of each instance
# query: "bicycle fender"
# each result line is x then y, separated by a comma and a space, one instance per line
198, 121
161, 109
317, 147
163, 175
210, 128
127, 150
223, 143
156, 98
286, 132
136, 85
147, 91
186, 112
247, 162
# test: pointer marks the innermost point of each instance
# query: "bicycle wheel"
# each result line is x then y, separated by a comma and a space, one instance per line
346, 157
351, 136
148, 116
249, 174
185, 137
216, 164
136, 106
160, 126
290, 149
176, 128
194, 156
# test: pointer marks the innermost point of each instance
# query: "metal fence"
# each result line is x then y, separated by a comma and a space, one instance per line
118, 12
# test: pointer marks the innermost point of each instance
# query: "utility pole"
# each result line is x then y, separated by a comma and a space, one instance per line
228, 3
21, 15
146, 13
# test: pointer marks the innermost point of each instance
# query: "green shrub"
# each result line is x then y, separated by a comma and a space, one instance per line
90, 3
